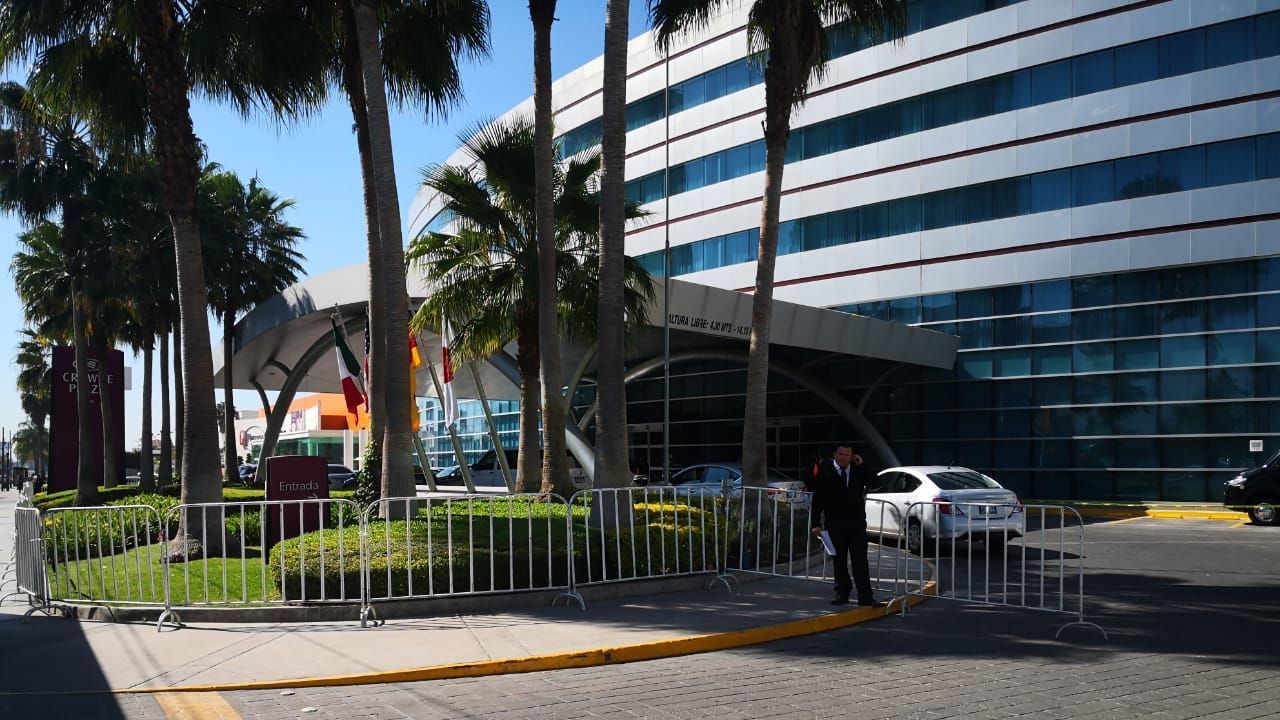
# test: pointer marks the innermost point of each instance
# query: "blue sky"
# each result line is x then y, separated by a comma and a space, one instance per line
316, 163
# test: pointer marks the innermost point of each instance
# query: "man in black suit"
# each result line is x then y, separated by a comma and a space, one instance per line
839, 505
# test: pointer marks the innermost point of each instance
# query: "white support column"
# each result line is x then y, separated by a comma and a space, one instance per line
348, 457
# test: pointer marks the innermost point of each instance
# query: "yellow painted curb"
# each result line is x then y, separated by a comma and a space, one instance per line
1165, 514
653, 650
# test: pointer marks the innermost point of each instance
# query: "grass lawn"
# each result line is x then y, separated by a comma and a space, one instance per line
138, 576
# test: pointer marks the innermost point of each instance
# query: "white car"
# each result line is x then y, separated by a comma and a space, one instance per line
716, 478
950, 503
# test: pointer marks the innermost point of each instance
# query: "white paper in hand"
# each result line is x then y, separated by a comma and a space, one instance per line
826, 543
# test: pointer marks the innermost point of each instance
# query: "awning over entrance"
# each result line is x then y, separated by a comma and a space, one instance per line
289, 335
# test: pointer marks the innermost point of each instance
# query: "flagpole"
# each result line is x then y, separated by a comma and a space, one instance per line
341, 325
463, 466
493, 431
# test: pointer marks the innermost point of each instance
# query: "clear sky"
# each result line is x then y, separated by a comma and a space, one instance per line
316, 163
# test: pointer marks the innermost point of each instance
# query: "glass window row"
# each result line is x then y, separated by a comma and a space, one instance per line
746, 72
1173, 171
1176, 54
1149, 286
1236, 348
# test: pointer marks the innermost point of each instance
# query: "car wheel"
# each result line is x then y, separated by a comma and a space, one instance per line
1264, 514
915, 537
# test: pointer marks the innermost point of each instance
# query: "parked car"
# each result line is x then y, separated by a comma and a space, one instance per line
487, 471
1256, 491
249, 474
717, 478
959, 503
341, 477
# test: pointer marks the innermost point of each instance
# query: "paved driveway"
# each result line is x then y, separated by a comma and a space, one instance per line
1192, 609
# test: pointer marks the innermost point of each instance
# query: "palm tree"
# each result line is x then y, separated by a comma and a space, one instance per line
161, 49
612, 462
247, 239
555, 468
46, 166
485, 274
46, 272
35, 381
791, 38
421, 43
31, 444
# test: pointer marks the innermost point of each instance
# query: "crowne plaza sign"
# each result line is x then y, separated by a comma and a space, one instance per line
65, 443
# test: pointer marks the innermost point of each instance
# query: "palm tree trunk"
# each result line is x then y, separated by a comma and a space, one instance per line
555, 467
165, 75
353, 84
229, 408
613, 467
397, 444
166, 439
86, 479
110, 451
528, 467
146, 474
777, 130
179, 405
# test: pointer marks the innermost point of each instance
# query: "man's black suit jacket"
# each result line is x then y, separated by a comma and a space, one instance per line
834, 504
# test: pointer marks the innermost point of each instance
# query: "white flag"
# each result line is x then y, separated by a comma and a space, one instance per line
446, 364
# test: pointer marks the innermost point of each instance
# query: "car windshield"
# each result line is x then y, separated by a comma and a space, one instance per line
338, 469
962, 480
776, 475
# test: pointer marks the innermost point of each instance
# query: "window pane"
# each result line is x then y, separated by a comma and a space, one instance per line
1182, 169
1137, 63
1092, 357
1011, 299
1135, 420
739, 161
1230, 162
1229, 43
1092, 324
974, 303
904, 216
1231, 313
1182, 385
1226, 383
1231, 349
1182, 317
1051, 82
1010, 363
1092, 184
1182, 351
1137, 354
1137, 321
1136, 387
1051, 391
1181, 53
1051, 296
1268, 160
938, 307
1053, 327
1089, 291
1051, 360
1094, 72
1229, 278
1050, 190
1181, 419
974, 365
1137, 176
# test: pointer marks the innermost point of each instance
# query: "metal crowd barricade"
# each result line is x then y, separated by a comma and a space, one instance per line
466, 545
28, 567
771, 534
972, 548
304, 567
635, 533
106, 555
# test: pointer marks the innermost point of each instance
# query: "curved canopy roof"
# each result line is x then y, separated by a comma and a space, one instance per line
272, 338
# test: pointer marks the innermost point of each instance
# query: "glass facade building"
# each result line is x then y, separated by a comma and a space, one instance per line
1087, 193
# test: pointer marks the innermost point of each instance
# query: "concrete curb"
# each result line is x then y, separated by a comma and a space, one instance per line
653, 650
1169, 513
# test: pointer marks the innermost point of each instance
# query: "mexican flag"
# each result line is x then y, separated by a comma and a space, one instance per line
348, 373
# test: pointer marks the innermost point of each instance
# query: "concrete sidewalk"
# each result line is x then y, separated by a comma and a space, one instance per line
59, 655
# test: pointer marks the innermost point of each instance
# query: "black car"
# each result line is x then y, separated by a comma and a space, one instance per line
1257, 491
